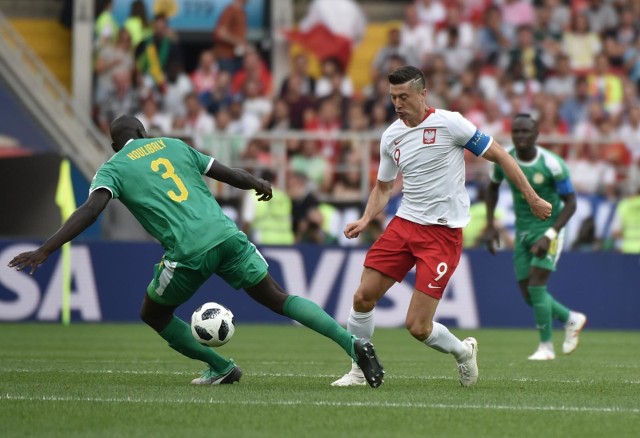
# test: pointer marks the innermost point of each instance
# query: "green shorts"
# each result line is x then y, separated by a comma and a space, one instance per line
523, 260
236, 260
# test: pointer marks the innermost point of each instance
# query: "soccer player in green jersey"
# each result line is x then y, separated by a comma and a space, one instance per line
538, 244
160, 181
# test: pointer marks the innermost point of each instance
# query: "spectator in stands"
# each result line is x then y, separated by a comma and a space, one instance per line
137, 24
581, 44
518, 13
112, 58
626, 32
495, 123
155, 122
122, 99
256, 104
178, 86
268, 223
303, 199
431, 12
605, 86
197, 123
242, 123
230, 36
348, 184
379, 97
560, 15
331, 67
589, 173
313, 230
494, 36
220, 97
626, 225
574, 109
205, 75
300, 68
253, 67
457, 57
393, 47
327, 123
299, 104
602, 16
312, 163
561, 82
528, 55
551, 125
106, 27
155, 54
416, 38
464, 32
629, 132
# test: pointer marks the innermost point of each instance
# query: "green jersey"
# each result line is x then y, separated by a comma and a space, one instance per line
549, 176
160, 181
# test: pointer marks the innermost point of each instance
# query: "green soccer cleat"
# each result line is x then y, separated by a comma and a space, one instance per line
209, 377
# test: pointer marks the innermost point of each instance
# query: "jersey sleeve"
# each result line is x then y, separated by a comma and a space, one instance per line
388, 170
107, 178
560, 173
203, 162
465, 134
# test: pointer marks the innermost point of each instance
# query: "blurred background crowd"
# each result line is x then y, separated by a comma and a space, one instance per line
574, 65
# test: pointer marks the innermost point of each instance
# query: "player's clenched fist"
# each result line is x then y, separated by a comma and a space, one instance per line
541, 208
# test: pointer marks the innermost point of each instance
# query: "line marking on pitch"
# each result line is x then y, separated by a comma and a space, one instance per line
322, 376
347, 404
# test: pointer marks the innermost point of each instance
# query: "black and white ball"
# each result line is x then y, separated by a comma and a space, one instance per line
212, 324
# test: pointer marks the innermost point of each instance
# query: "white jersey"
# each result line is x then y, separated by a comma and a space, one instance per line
431, 159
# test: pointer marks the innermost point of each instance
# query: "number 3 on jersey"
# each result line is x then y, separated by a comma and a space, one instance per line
170, 174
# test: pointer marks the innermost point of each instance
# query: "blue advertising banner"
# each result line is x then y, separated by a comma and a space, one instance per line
193, 15
109, 281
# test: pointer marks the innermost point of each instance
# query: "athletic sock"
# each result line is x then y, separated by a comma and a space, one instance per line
311, 315
178, 335
559, 311
442, 339
361, 324
541, 303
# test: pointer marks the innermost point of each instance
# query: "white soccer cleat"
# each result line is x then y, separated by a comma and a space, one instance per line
468, 370
544, 352
572, 329
355, 377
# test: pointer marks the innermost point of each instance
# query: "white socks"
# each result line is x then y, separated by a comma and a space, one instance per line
360, 324
442, 340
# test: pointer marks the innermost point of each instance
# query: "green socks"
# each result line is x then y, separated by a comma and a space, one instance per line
311, 315
541, 303
558, 311
178, 335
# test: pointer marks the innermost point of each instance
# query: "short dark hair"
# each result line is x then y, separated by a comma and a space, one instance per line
524, 116
125, 128
407, 73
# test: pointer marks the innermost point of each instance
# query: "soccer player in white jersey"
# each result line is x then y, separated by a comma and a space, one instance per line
427, 146
538, 244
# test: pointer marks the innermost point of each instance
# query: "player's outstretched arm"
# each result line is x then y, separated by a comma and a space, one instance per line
539, 207
240, 179
79, 221
491, 235
378, 199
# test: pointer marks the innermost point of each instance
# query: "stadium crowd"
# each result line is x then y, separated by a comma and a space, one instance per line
574, 65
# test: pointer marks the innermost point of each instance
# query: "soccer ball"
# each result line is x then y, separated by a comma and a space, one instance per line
212, 324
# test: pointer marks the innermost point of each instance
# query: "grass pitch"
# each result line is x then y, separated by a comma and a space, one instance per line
121, 380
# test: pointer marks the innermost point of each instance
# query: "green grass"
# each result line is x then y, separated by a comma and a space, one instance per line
122, 380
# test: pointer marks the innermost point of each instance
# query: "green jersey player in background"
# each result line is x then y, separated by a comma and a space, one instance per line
160, 181
538, 244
